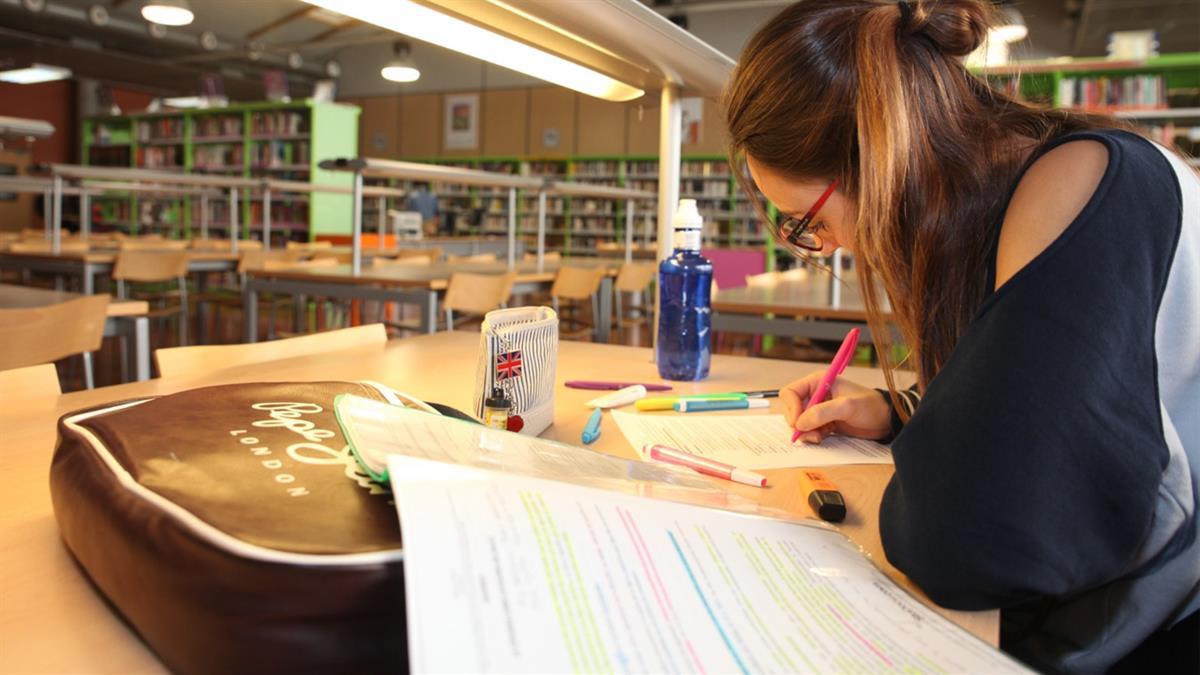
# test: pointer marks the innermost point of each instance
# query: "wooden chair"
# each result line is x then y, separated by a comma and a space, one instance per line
152, 245
156, 267
634, 279
31, 336
478, 258
432, 254
226, 245
184, 361
415, 261
273, 265
17, 384
476, 294
549, 256
308, 245
43, 246
577, 284
230, 296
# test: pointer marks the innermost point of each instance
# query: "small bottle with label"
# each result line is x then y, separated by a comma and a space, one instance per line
495, 410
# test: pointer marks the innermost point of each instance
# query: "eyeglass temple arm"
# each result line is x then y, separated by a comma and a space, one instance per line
803, 222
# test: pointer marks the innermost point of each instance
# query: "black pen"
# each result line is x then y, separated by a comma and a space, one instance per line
763, 393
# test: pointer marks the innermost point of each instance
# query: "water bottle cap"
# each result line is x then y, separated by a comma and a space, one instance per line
687, 216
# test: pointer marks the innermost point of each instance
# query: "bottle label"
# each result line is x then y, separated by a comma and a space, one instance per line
687, 239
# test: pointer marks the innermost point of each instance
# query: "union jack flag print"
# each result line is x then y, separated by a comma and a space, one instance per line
508, 366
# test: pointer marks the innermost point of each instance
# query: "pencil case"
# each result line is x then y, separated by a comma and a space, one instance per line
518, 353
233, 530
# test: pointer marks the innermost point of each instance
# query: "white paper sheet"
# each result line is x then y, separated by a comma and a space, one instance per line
506, 573
745, 441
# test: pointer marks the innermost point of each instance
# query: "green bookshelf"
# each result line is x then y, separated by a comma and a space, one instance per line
251, 140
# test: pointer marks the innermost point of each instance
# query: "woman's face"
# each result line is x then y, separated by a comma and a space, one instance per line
794, 198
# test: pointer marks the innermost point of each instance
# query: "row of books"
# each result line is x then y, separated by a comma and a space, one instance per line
278, 123
217, 126
160, 157
279, 153
217, 156
1133, 91
281, 213
165, 128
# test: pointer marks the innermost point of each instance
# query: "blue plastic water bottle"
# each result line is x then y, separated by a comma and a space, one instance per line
685, 302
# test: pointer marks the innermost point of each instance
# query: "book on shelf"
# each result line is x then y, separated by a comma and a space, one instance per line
278, 123
217, 126
166, 128
1103, 92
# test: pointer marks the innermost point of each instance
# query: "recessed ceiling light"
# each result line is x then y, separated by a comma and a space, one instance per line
168, 12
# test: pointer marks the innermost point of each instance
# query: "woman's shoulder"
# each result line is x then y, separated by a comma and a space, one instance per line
1049, 197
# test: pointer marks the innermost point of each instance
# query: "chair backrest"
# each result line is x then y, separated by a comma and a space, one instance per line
309, 245
276, 265
43, 246
149, 236
226, 245
183, 361
576, 283
433, 254
149, 266
478, 258
412, 261
34, 335
255, 259
28, 382
635, 277
548, 256
478, 293
154, 245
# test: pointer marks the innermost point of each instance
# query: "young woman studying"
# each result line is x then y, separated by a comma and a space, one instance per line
1043, 269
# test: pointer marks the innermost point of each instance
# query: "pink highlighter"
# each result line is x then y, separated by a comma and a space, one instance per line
837, 367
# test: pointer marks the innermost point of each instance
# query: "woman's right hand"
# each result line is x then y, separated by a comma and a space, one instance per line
851, 409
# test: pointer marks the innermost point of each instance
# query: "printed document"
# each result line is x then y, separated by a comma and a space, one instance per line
509, 573
745, 441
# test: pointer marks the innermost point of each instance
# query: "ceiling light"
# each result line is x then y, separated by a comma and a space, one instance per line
168, 12
34, 73
1011, 26
185, 102
430, 25
401, 68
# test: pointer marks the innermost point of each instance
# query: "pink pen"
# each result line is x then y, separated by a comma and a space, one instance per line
704, 465
837, 367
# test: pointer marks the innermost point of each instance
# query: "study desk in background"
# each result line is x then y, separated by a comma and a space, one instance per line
125, 317
798, 303
52, 620
418, 285
90, 266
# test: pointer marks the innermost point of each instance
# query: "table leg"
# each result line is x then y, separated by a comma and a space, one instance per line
250, 312
429, 313
603, 320
299, 313
89, 279
202, 308
141, 342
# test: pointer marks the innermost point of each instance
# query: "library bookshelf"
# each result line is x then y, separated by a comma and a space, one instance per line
1159, 95
584, 225
253, 140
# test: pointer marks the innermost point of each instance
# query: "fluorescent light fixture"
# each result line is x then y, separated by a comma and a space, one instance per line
35, 73
185, 102
429, 25
168, 12
401, 68
398, 72
1011, 26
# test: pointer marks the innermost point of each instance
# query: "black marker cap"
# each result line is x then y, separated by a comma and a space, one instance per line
828, 504
497, 399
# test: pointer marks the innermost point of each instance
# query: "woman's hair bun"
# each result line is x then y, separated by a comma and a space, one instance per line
957, 27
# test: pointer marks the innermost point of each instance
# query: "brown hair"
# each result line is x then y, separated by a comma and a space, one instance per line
876, 96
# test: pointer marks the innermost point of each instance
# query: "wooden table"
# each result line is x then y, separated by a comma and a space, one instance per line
52, 620
125, 317
413, 284
802, 302
93, 264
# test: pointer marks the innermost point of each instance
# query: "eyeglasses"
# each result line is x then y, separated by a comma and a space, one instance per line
797, 232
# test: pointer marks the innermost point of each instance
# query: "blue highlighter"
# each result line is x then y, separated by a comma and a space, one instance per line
591, 431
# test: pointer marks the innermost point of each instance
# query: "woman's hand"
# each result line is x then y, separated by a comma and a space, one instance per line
851, 409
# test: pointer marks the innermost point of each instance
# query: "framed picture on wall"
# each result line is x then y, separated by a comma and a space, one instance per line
462, 121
